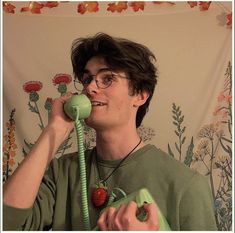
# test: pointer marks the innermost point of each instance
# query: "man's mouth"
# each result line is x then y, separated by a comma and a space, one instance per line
97, 103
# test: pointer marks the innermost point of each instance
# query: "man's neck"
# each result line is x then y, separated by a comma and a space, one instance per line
113, 145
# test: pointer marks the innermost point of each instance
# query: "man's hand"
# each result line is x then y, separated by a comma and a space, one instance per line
58, 119
124, 218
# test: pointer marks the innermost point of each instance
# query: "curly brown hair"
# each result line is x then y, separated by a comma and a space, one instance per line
120, 54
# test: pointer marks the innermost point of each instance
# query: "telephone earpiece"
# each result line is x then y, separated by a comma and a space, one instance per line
78, 105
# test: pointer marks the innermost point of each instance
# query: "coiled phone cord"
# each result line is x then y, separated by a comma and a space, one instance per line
82, 165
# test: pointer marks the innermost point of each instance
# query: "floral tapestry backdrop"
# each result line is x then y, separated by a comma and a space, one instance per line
190, 116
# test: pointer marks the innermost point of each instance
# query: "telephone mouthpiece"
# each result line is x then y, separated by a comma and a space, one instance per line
78, 104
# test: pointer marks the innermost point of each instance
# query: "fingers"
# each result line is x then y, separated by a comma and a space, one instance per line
118, 219
152, 220
66, 96
105, 220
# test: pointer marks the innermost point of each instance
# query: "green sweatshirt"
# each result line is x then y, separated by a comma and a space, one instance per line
182, 194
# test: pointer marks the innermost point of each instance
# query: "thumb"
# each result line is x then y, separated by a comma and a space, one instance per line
152, 210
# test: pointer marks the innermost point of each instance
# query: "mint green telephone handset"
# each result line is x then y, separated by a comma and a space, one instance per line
78, 107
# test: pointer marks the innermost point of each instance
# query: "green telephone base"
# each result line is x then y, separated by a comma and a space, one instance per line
140, 197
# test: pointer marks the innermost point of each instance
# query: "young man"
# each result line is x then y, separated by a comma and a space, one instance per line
119, 77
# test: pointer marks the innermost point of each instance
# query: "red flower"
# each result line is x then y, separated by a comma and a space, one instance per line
51, 4
32, 86
229, 18
62, 78
117, 6
8, 7
88, 6
34, 7
137, 5
204, 6
192, 4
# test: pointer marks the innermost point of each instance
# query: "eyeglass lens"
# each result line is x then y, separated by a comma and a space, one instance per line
103, 79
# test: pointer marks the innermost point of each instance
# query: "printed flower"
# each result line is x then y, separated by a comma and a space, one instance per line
204, 6
229, 18
217, 204
33, 7
207, 131
146, 133
51, 4
117, 6
228, 98
137, 6
221, 97
9, 147
48, 104
197, 156
8, 7
62, 80
192, 4
88, 6
224, 158
203, 147
32, 87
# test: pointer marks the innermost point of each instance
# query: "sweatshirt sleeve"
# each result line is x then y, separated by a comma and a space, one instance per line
40, 215
196, 206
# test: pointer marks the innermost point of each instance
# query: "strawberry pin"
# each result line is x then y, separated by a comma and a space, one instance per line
100, 195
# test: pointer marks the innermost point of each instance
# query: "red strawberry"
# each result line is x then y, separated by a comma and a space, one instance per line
99, 196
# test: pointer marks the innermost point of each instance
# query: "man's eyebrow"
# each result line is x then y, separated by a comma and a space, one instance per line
101, 69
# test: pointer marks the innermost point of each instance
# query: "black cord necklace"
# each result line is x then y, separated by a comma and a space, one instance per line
119, 164
100, 194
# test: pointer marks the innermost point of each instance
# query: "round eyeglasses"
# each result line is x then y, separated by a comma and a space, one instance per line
103, 79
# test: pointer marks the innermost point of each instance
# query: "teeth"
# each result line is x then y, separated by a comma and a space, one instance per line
96, 103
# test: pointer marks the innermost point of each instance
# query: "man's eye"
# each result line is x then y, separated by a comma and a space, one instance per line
86, 80
107, 78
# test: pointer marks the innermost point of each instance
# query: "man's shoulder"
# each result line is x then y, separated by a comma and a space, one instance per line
170, 166
72, 158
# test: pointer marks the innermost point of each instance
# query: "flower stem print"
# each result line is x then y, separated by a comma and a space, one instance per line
178, 119
32, 87
48, 106
214, 139
146, 133
9, 147
61, 81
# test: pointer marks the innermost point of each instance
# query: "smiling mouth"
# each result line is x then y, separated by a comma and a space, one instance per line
97, 103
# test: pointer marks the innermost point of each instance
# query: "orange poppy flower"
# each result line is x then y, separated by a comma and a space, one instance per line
137, 6
192, 4
34, 7
51, 4
204, 6
88, 6
117, 6
8, 7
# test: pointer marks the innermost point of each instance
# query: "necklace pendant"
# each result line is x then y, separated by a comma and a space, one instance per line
100, 194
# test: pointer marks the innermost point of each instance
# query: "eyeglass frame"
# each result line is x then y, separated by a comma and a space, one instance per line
113, 74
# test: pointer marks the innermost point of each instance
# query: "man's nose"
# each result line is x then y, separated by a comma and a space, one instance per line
92, 87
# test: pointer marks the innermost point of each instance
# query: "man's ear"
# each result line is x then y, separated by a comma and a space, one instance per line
140, 98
